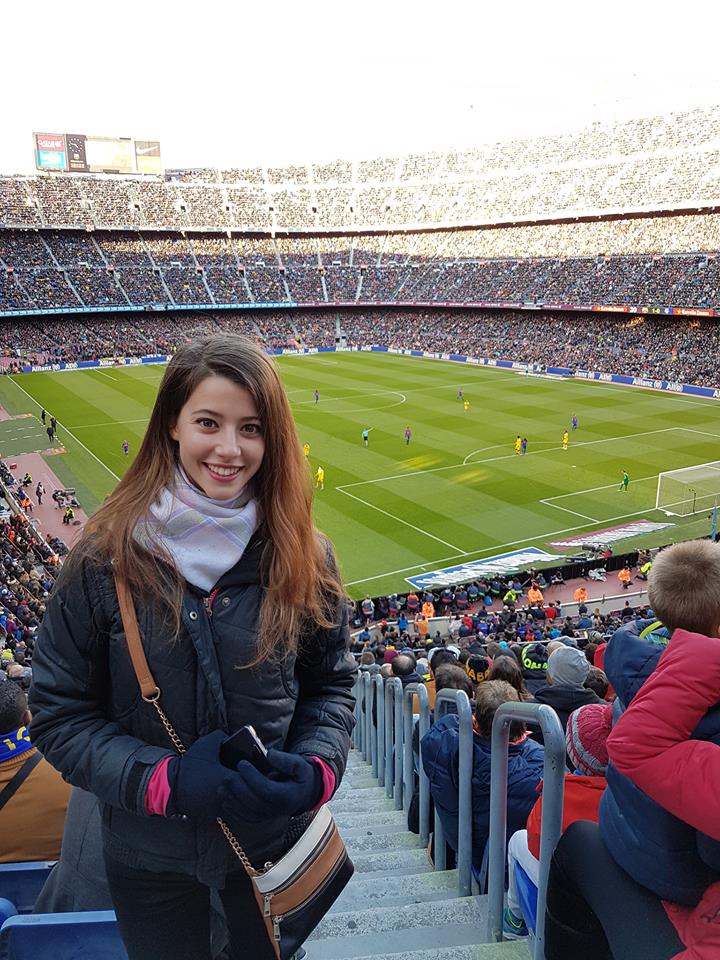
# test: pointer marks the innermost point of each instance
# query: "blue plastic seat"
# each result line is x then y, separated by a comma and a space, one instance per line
62, 936
527, 894
22, 882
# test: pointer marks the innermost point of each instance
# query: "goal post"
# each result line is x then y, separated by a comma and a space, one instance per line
690, 490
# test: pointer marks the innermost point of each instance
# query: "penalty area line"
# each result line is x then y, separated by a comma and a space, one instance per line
405, 523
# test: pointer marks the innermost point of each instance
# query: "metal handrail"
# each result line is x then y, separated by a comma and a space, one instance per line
379, 768
552, 808
365, 680
398, 716
420, 691
465, 763
389, 731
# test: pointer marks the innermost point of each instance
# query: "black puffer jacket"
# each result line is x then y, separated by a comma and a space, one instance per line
91, 723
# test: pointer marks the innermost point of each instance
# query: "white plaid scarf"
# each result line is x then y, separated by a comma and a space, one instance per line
205, 537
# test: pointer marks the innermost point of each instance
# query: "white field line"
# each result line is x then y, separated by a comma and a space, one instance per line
109, 423
525, 540
381, 393
508, 456
79, 442
606, 486
354, 396
646, 391
704, 433
103, 374
498, 547
398, 519
558, 507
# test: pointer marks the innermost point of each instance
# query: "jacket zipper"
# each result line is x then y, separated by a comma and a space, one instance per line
277, 920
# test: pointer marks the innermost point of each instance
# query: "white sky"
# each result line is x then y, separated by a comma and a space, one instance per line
234, 84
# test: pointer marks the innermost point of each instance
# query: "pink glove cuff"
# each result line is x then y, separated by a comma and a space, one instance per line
158, 790
328, 783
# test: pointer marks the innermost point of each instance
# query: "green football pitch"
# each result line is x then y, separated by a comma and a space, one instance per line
457, 492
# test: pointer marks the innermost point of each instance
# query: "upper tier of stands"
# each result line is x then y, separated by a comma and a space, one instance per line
655, 163
661, 261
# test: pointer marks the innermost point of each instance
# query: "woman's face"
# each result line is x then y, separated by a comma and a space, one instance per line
220, 437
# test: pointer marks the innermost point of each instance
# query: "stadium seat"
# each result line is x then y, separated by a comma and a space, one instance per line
528, 894
62, 936
20, 883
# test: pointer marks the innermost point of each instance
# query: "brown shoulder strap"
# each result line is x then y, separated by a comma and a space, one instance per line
148, 687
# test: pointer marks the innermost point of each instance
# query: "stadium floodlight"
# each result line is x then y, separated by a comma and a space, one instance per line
688, 491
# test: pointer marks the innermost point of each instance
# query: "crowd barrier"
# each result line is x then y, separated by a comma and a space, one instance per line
386, 713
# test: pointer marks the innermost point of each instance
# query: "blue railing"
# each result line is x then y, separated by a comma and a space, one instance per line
552, 808
386, 741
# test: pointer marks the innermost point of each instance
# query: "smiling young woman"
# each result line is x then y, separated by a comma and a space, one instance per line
243, 621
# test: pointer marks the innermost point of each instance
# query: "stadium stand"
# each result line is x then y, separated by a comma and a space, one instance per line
414, 249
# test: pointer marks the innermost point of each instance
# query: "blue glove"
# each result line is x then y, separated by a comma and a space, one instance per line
195, 779
293, 786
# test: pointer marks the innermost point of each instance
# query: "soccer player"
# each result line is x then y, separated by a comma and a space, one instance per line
466, 405
566, 439
459, 396
306, 451
574, 422
126, 447
625, 483
366, 437
317, 396
523, 446
518, 445
320, 478
408, 435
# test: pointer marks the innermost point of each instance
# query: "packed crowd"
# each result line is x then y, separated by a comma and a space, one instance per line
582, 264
654, 347
652, 163
638, 837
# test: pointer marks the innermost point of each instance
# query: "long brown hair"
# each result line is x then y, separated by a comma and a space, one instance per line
507, 668
301, 584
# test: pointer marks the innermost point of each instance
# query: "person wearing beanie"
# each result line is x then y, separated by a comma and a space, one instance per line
533, 662
586, 743
477, 667
567, 670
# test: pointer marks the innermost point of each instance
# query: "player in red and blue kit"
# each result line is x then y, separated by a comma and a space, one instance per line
574, 422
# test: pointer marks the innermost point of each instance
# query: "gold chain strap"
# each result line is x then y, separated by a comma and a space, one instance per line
229, 835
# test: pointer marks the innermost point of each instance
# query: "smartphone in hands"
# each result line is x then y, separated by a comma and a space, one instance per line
244, 745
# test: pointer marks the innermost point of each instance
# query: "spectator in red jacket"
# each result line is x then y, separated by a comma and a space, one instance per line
595, 908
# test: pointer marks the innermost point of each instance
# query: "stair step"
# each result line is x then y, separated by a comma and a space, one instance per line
362, 802
414, 860
437, 923
381, 842
383, 818
357, 783
364, 892
397, 826
508, 950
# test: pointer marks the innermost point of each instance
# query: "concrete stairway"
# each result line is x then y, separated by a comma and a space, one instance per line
396, 905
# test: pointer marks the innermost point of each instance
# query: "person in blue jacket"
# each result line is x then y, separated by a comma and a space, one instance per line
440, 749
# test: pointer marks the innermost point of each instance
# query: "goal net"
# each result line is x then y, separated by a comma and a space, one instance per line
688, 491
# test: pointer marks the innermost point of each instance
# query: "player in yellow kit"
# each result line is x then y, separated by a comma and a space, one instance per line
306, 450
566, 439
320, 478
518, 445
466, 405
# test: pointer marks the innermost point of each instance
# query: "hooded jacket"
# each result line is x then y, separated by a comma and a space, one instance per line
92, 725
564, 699
658, 849
440, 749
